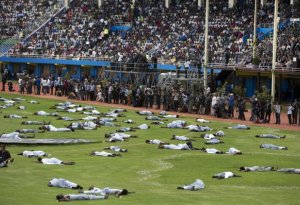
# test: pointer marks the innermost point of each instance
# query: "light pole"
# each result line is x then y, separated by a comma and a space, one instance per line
254, 43
206, 45
274, 50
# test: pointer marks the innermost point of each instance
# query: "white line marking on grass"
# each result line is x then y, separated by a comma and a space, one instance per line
162, 165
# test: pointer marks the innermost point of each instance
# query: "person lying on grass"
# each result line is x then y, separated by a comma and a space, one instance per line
63, 183
107, 124
142, 127
208, 136
108, 119
238, 127
271, 146
290, 170
112, 114
181, 138
186, 146
133, 129
155, 141
51, 128
123, 135
175, 124
89, 125
92, 112
214, 141
197, 128
197, 185
90, 118
220, 133
153, 117
212, 151
225, 175
234, 151
35, 123
114, 137
33, 153
202, 120
115, 149
170, 116
53, 161
30, 131
106, 191
270, 136
66, 118
13, 116
43, 113
144, 112
14, 136
76, 197
257, 169
104, 154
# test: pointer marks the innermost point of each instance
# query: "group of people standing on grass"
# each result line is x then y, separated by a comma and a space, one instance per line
171, 98
262, 109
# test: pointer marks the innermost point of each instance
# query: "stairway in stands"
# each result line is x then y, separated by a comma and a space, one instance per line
35, 25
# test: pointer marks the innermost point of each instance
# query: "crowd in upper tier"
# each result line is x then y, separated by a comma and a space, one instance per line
16, 15
172, 35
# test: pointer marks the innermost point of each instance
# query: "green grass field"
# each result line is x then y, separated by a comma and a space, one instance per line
152, 173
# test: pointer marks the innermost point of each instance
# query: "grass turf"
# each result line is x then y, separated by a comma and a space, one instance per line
152, 173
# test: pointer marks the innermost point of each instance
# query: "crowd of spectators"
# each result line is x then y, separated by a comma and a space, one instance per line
18, 14
173, 35
288, 44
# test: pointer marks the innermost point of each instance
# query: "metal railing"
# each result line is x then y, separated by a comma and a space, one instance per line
251, 67
223, 66
58, 57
